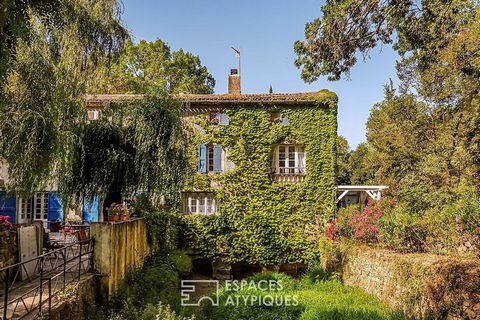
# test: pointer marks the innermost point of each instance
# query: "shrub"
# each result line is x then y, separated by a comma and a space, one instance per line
316, 300
402, 230
151, 312
181, 262
317, 274
156, 281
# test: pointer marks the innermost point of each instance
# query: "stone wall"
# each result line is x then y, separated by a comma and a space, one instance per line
8, 248
119, 248
418, 284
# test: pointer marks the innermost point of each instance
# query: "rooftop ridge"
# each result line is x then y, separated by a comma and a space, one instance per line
295, 97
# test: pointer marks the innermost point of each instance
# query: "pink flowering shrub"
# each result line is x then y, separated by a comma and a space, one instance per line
364, 224
5, 222
331, 230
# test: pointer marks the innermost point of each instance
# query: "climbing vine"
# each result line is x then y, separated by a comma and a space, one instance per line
261, 221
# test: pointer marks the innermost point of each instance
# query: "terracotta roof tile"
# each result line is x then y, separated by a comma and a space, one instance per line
99, 100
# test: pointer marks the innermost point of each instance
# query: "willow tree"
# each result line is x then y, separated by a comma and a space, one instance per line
134, 146
41, 105
45, 136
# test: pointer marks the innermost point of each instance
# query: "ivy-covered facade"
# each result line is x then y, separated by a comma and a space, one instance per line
261, 180
262, 176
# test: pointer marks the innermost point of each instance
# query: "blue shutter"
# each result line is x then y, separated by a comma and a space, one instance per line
202, 158
8, 205
217, 158
55, 207
224, 119
283, 120
90, 209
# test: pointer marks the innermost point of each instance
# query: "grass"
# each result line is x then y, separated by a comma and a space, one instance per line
316, 300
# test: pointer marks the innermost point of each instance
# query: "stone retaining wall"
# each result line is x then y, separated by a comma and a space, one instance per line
8, 248
418, 284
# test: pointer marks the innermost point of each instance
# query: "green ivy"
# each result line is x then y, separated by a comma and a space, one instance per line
261, 221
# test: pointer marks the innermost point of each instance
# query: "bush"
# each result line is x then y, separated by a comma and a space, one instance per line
156, 281
162, 224
151, 312
181, 262
317, 274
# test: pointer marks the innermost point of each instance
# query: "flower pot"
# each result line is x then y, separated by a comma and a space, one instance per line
110, 218
123, 217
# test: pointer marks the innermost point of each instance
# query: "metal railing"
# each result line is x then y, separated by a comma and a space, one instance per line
29, 286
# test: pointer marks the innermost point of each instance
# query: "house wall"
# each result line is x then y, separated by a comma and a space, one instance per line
260, 220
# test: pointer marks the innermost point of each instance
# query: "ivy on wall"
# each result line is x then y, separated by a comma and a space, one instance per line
261, 221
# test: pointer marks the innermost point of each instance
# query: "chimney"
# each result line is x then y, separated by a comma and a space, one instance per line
234, 82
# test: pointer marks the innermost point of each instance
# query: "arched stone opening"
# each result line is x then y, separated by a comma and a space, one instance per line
202, 267
241, 270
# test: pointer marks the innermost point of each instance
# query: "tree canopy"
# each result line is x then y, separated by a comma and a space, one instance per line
151, 67
418, 30
423, 139
45, 136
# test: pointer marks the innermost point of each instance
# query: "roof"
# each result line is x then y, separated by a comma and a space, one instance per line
302, 98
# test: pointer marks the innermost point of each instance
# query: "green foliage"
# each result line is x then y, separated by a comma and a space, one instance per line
181, 262
151, 67
162, 226
342, 168
317, 300
157, 281
261, 221
135, 146
452, 228
349, 27
93, 24
159, 311
53, 48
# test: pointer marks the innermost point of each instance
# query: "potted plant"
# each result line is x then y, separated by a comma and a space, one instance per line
124, 213
113, 212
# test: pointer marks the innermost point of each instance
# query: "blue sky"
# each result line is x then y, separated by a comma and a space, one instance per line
265, 30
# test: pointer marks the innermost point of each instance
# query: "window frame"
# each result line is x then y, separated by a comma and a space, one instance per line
43, 206
290, 155
201, 201
25, 210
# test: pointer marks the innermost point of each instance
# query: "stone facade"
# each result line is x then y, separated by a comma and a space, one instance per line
418, 284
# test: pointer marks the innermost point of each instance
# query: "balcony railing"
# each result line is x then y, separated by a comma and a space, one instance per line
288, 175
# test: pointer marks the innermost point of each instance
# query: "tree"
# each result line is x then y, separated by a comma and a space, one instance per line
348, 27
98, 25
151, 67
342, 167
135, 146
361, 170
41, 99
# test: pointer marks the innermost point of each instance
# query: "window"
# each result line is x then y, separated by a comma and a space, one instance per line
40, 206
200, 203
220, 118
277, 117
24, 210
93, 114
288, 159
210, 158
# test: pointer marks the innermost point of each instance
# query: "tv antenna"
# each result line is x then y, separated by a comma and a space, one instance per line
237, 55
